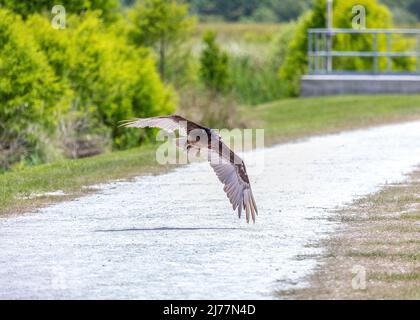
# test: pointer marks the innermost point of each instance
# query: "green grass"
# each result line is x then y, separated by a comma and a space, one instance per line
71, 175
411, 276
294, 118
392, 243
401, 229
382, 254
283, 120
250, 32
411, 216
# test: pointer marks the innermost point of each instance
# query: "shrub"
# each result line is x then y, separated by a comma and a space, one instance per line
378, 16
110, 79
30, 94
214, 64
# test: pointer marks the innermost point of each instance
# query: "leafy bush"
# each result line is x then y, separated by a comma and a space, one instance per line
378, 16
64, 91
110, 79
30, 94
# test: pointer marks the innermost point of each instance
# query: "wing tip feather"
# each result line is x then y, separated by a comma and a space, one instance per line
129, 123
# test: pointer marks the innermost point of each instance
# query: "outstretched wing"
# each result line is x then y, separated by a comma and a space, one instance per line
231, 172
229, 168
168, 123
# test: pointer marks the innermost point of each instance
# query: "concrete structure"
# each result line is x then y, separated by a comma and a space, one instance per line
330, 84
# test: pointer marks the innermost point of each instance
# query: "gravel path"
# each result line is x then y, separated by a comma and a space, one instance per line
175, 235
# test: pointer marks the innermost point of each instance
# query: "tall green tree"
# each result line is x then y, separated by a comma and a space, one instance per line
214, 64
160, 24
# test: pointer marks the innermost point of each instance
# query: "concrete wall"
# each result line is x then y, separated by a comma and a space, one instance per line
327, 85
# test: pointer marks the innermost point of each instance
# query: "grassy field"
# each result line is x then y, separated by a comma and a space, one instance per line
284, 120
295, 118
380, 234
253, 32
241, 39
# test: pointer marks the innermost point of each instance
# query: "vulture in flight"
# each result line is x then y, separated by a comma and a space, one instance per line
229, 167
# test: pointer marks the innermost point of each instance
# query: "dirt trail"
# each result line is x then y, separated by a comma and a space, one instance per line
175, 235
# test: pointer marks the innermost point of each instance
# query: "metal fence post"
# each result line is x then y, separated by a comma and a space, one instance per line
418, 53
328, 44
375, 49
388, 52
310, 52
316, 56
325, 57
329, 51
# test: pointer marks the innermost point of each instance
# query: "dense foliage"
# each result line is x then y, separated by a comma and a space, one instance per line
64, 91
29, 93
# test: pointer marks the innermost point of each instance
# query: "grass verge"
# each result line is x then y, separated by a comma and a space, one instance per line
379, 240
71, 176
283, 120
296, 118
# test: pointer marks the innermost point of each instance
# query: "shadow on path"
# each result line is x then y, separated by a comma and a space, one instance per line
167, 229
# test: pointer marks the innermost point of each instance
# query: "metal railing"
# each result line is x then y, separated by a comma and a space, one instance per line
321, 53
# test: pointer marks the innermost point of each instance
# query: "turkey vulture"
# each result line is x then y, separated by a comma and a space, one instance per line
229, 167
